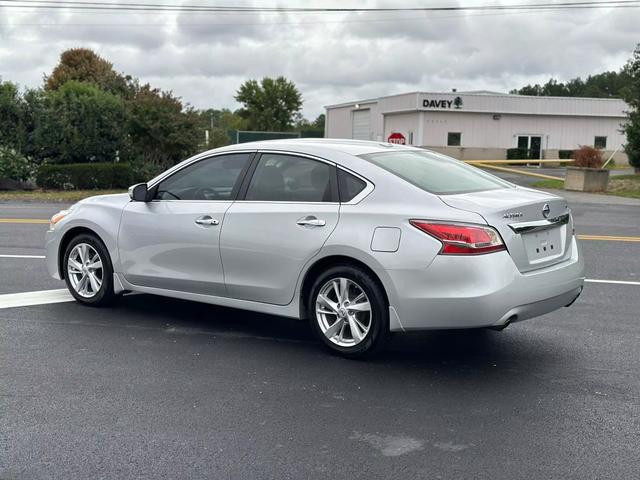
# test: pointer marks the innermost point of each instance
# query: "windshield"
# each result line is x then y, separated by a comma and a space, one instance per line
435, 173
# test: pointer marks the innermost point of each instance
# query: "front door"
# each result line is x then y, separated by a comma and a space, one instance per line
288, 211
172, 242
532, 144
536, 147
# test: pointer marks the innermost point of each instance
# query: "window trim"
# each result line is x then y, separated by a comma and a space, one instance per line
459, 144
153, 186
201, 158
605, 141
244, 187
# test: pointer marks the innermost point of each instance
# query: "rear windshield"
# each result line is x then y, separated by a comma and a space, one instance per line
435, 173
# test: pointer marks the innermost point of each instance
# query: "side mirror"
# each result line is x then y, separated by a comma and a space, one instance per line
139, 192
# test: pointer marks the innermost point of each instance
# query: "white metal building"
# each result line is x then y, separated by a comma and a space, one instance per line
483, 125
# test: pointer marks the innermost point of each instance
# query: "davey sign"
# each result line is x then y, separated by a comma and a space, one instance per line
397, 138
441, 103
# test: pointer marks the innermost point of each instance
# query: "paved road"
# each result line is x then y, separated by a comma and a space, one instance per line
160, 388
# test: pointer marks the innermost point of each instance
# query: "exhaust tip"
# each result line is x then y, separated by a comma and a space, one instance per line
576, 298
499, 328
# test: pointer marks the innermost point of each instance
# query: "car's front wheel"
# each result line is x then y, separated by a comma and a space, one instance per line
88, 271
349, 311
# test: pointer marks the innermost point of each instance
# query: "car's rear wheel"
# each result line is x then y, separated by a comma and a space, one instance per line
349, 311
88, 271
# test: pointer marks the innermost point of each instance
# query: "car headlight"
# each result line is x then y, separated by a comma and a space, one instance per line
59, 216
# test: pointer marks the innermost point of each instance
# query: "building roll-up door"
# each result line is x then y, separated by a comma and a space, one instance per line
361, 125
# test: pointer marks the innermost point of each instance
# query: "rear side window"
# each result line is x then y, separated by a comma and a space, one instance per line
349, 186
287, 178
435, 173
209, 179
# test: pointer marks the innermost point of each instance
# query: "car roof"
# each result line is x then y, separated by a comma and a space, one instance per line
313, 146
343, 152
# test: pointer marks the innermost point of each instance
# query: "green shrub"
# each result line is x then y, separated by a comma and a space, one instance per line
14, 165
80, 123
518, 154
565, 154
76, 176
143, 172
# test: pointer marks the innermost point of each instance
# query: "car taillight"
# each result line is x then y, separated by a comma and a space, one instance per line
462, 239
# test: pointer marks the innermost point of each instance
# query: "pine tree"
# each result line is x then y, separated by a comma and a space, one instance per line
632, 96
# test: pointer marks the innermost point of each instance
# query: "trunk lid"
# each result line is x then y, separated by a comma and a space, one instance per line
534, 240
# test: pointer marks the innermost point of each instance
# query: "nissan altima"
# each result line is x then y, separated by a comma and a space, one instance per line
362, 239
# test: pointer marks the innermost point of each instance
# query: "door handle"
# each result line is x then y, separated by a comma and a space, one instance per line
311, 221
207, 220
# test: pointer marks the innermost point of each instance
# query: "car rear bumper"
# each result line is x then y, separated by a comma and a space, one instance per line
482, 291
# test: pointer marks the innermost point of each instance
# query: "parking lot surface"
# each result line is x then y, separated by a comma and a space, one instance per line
162, 388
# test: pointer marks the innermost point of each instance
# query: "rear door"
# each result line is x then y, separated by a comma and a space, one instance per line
535, 226
287, 208
172, 242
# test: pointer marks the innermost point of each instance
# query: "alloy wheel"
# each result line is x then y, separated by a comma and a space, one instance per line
343, 312
85, 270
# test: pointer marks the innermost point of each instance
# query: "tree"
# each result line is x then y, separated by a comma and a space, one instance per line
79, 123
310, 129
84, 65
11, 113
161, 130
601, 85
270, 105
219, 123
631, 94
33, 110
319, 122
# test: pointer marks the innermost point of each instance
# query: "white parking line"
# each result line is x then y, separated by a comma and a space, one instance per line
615, 282
42, 297
22, 256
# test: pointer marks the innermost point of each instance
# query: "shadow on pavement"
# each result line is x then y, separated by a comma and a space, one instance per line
446, 350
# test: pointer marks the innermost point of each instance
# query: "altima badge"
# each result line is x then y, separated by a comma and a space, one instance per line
512, 215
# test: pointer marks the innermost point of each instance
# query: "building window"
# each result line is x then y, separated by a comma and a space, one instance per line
454, 139
600, 142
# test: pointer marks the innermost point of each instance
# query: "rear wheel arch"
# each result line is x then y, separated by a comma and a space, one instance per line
66, 239
325, 263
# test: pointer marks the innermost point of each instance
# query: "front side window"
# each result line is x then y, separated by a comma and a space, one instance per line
287, 178
454, 139
210, 179
435, 173
600, 142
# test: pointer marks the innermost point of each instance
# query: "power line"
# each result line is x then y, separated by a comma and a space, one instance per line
162, 7
181, 25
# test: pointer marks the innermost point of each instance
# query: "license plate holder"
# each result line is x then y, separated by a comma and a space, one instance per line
543, 244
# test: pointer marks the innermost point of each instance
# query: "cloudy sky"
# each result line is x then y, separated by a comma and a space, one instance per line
204, 57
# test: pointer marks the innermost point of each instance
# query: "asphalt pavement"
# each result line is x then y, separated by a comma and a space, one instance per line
161, 388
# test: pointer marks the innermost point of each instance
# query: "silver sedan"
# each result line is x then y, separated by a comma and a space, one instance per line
360, 238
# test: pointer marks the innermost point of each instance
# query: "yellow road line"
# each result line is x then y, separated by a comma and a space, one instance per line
608, 238
24, 220
515, 170
517, 162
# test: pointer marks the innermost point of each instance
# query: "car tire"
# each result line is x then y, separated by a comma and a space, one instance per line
89, 284
342, 322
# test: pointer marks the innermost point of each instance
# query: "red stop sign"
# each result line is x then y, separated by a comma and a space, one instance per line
397, 138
